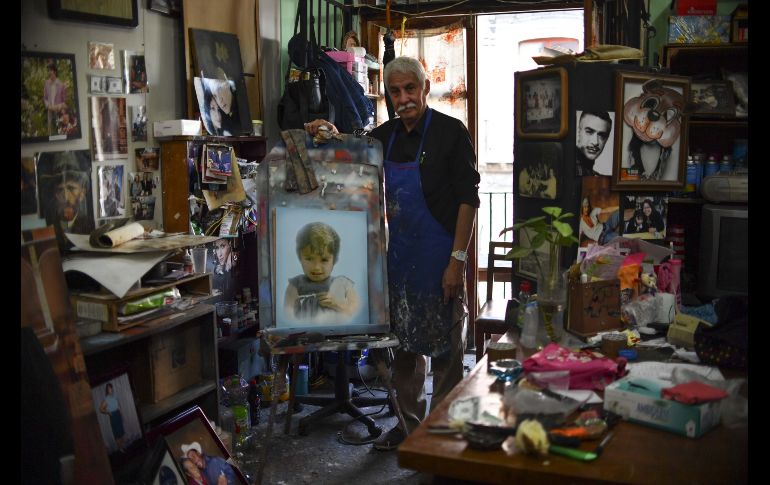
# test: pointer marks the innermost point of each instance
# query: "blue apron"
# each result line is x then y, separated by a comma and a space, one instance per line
418, 253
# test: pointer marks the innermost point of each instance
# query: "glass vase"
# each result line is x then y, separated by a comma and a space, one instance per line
551, 294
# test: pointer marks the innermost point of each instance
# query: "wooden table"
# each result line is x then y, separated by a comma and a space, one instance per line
636, 454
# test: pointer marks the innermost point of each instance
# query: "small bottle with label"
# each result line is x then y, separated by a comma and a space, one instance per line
697, 159
528, 337
524, 289
691, 181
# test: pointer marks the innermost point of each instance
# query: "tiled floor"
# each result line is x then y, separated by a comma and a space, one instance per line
322, 457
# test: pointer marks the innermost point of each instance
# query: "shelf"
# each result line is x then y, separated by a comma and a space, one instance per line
714, 121
107, 340
236, 334
150, 412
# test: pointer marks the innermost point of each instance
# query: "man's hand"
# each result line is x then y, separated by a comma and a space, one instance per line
452, 281
314, 125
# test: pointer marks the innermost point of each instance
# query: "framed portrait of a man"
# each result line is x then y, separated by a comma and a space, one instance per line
541, 103
49, 97
64, 190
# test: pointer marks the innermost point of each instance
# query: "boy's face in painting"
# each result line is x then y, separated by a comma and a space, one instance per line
316, 266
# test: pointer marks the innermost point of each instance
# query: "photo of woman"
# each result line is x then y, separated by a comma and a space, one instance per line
116, 413
644, 216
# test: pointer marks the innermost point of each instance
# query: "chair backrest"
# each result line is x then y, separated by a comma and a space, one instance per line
498, 268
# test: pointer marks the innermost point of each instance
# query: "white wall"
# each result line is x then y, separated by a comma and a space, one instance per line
161, 39
270, 50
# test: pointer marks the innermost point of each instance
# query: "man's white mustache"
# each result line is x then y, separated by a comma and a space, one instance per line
406, 106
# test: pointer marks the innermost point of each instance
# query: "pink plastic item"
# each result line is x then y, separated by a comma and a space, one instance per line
587, 370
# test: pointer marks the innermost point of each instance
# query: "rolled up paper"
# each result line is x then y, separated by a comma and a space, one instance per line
118, 236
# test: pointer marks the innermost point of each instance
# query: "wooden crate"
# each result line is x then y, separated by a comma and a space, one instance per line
104, 306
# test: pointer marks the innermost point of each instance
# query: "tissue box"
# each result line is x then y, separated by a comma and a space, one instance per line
639, 400
699, 29
176, 128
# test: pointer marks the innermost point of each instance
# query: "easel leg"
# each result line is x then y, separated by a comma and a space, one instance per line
282, 361
382, 369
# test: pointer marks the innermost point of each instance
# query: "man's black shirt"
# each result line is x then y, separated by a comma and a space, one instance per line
448, 170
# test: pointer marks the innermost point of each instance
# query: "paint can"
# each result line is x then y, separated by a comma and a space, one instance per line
301, 387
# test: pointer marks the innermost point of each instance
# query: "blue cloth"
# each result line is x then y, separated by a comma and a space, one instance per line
418, 252
116, 423
215, 466
352, 109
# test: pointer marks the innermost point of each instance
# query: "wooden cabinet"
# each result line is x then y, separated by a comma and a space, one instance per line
160, 356
176, 166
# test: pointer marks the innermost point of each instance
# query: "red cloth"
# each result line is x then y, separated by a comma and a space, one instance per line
694, 393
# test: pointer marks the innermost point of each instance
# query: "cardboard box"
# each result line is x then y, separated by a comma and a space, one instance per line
594, 307
175, 361
176, 128
639, 400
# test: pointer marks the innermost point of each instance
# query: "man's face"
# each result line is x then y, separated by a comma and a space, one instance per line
196, 458
222, 250
592, 136
69, 195
214, 114
408, 96
317, 267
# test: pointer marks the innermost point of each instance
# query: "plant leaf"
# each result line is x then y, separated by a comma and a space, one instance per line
564, 229
565, 215
538, 241
552, 211
518, 252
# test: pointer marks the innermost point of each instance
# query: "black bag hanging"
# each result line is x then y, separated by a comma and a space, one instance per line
304, 99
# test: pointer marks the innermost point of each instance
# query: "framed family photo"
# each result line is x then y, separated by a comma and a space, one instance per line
159, 467
115, 12
650, 131
645, 216
49, 97
713, 98
197, 450
541, 103
117, 414
321, 267
538, 169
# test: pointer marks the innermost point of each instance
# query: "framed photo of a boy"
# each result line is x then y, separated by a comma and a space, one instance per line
321, 267
49, 97
541, 103
650, 131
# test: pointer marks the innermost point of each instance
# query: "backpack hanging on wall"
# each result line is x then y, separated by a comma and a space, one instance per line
304, 98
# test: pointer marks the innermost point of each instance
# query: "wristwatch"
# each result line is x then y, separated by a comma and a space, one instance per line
460, 255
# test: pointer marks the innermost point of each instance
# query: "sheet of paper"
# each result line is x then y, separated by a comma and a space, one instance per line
116, 272
664, 370
143, 245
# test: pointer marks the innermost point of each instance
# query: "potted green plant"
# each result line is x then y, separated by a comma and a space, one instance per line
552, 231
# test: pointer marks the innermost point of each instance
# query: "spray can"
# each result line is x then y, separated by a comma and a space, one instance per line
691, 180
711, 166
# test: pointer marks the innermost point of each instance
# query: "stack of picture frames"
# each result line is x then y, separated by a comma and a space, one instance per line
630, 161
180, 450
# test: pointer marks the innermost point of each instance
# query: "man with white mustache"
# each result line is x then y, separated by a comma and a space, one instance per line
431, 190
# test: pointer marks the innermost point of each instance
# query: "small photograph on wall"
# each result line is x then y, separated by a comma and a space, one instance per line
28, 186
321, 267
600, 218
538, 168
644, 216
594, 142
64, 190
222, 263
110, 134
147, 159
135, 72
116, 412
101, 55
49, 97
111, 196
142, 199
138, 123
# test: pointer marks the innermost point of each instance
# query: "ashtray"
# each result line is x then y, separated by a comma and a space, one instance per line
506, 370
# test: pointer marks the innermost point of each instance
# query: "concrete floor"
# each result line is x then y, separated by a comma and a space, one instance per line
322, 457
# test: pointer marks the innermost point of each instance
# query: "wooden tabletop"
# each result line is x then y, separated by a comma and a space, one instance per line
636, 453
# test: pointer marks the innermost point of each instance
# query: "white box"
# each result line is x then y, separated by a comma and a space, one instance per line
176, 128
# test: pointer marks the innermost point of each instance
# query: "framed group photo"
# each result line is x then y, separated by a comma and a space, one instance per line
650, 131
538, 168
49, 97
115, 12
526, 267
196, 449
541, 103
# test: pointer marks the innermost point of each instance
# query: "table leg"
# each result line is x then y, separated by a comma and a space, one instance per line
295, 361
282, 360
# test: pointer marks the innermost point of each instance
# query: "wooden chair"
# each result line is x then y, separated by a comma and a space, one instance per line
491, 318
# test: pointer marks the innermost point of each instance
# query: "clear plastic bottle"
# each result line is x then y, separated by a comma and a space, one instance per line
524, 288
237, 392
528, 337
